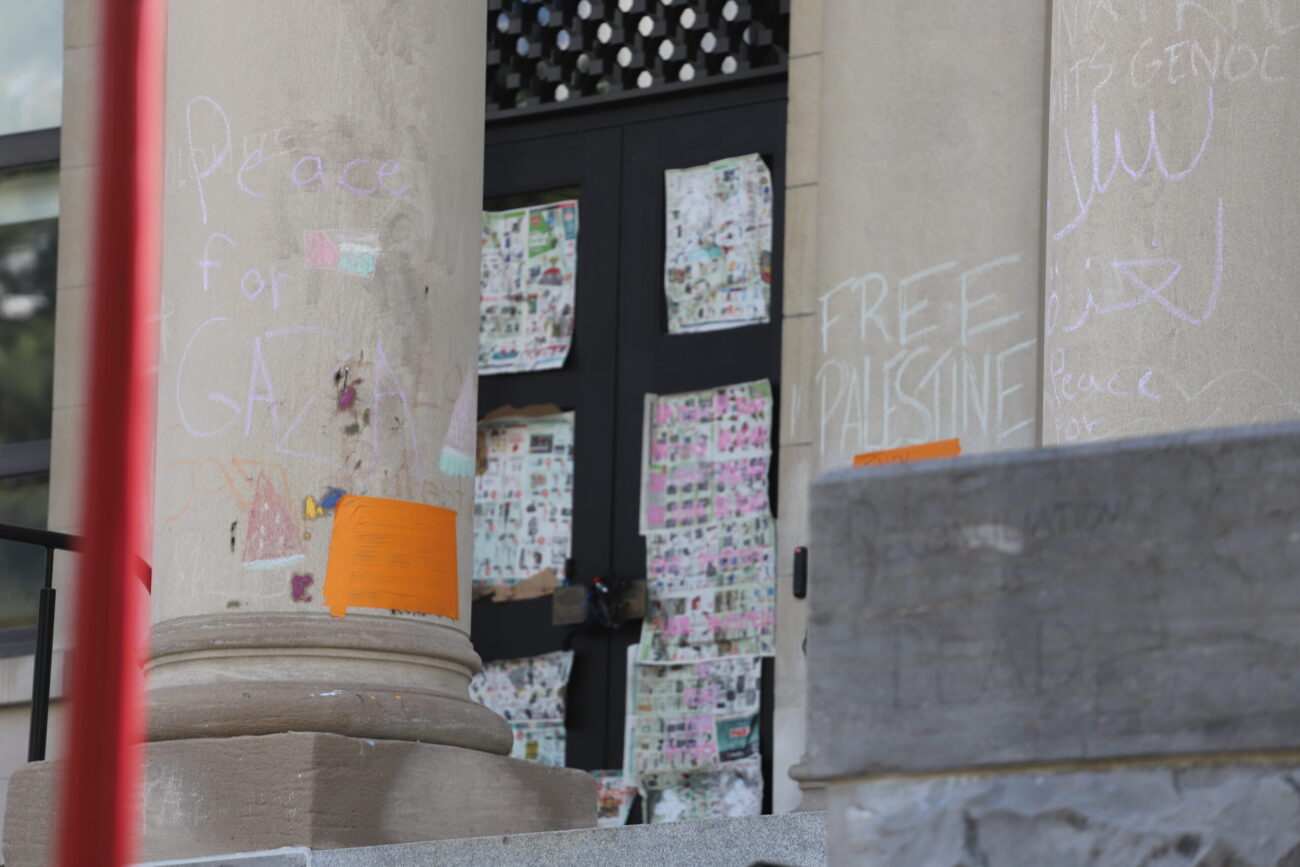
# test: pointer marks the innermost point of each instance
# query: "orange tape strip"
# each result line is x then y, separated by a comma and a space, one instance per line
392, 554
923, 452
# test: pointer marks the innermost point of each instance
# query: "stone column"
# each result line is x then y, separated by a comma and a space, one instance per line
319, 334
1171, 260
319, 325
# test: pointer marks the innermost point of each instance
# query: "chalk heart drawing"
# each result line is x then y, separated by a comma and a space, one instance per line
344, 252
274, 538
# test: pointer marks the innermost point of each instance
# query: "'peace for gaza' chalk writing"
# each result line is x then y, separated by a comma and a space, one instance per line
362, 176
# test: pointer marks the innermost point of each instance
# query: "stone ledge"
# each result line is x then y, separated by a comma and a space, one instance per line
212, 796
288, 856
1133, 599
796, 840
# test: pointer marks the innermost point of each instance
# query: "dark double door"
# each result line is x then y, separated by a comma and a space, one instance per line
612, 159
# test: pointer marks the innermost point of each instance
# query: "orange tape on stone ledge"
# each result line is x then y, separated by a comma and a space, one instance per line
392, 554
922, 452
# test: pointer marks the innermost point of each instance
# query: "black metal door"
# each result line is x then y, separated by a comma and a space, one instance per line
615, 157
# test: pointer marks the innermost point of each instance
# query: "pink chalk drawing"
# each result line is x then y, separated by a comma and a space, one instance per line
299, 584
458, 447
345, 252
274, 539
322, 252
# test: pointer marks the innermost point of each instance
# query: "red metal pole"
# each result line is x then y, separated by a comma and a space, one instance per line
99, 821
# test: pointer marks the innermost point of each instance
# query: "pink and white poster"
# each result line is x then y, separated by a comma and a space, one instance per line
708, 525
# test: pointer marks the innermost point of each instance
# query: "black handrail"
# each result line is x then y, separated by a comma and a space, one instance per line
44, 661
50, 541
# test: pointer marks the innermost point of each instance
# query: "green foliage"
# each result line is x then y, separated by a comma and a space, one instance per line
28, 260
23, 501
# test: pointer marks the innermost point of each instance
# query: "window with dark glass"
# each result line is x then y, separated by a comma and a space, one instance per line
31, 98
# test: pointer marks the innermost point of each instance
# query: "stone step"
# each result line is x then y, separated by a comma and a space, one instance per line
794, 840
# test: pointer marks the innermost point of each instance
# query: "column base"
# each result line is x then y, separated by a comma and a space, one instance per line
218, 795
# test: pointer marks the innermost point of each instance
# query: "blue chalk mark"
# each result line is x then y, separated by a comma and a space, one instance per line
331, 498
453, 463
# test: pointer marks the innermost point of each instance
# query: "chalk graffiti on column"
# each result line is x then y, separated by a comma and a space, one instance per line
898, 371
1154, 161
344, 252
245, 387
274, 538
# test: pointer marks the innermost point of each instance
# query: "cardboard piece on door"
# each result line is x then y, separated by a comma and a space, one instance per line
539, 585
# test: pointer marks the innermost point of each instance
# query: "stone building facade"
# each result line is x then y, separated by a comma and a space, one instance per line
1024, 224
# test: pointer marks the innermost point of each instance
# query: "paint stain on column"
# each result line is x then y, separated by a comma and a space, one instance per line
233, 525
347, 388
298, 585
312, 508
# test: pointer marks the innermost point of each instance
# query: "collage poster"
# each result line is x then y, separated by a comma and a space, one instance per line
529, 694
722, 792
614, 796
712, 592
705, 456
691, 741
527, 288
706, 518
718, 245
523, 499
689, 717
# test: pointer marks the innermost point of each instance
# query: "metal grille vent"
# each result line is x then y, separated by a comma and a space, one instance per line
551, 52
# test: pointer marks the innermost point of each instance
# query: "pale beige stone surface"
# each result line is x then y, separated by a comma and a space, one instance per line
81, 24
13, 733
79, 138
804, 120
71, 336
67, 461
76, 214
799, 289
805, 27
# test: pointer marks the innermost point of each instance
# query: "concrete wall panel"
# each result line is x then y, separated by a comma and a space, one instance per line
1090, 603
